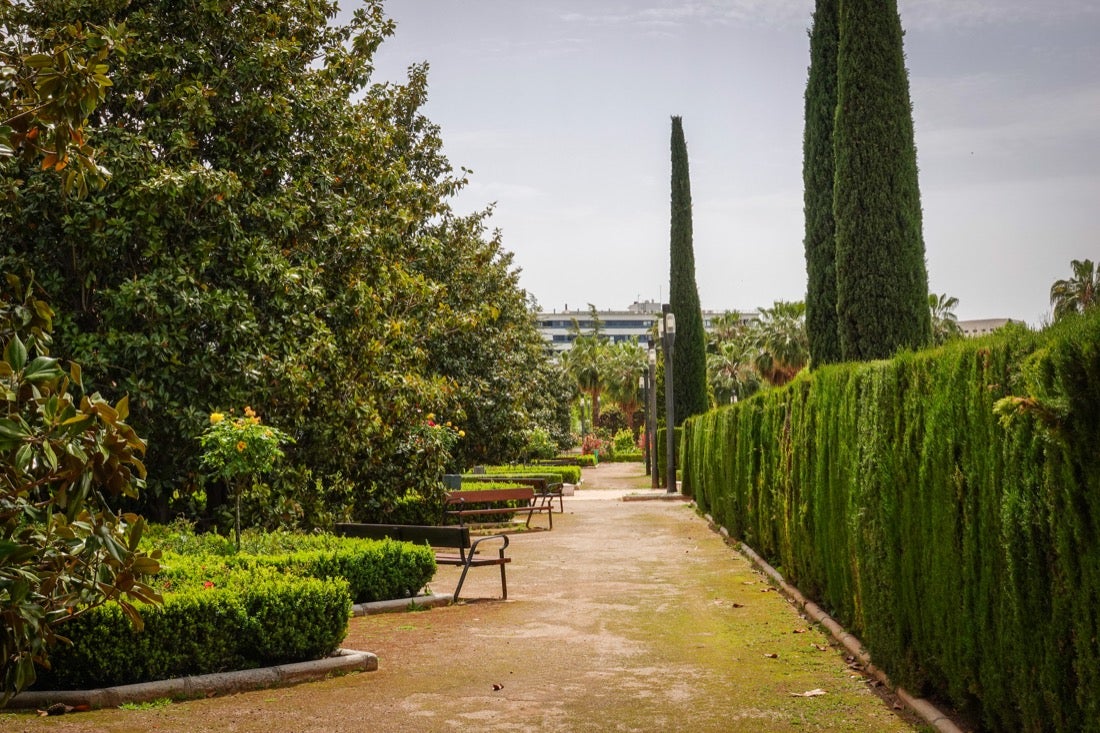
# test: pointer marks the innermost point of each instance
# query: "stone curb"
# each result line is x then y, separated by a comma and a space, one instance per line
220, 683
926, 710
661, 495
401, 604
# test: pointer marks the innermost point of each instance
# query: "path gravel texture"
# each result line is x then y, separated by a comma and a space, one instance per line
628, 616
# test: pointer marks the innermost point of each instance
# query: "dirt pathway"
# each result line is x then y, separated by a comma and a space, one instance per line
628, 616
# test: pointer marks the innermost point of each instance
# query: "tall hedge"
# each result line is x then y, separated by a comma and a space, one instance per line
881, 280
689, 355
817, 176
945, 505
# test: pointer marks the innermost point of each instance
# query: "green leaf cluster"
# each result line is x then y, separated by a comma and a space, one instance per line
278, 232
943, 506
64, 455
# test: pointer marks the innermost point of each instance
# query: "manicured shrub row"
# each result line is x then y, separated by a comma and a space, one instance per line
244, 620
375, 570
635, 456
562, 474
662, 453
945, 505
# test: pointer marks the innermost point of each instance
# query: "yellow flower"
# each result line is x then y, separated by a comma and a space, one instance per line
216, 417
431, 416
241, 446
462, 433
249, 412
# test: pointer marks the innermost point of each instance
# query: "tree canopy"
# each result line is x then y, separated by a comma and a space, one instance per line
277, 233
689, 354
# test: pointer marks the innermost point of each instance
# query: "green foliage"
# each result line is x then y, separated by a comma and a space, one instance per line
561, 474
374, 570
540, 444
277, 232
49, 86
689, 383
624, 442
1076, 294
247, 618
662, 453
881, 280
942, 506
818, 169
240, 446
63, 454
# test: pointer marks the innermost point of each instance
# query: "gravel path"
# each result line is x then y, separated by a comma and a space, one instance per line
628, 616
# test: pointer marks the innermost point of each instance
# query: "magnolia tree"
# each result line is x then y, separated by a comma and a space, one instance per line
65, 455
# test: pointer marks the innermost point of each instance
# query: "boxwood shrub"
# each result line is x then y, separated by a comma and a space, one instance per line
252, 619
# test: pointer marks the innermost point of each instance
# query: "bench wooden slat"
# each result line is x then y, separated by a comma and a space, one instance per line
532, 503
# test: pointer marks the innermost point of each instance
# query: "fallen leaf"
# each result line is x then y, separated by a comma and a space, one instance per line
498, 687
738, 605
809, 693
769, 589
772, 656
820, 647
800, 631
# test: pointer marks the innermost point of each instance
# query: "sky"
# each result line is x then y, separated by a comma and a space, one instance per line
561, 109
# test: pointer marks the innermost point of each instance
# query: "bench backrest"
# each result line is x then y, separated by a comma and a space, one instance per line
417, 534
489, 496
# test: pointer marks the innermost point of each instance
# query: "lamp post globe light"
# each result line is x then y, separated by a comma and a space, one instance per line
651, 417
668, 341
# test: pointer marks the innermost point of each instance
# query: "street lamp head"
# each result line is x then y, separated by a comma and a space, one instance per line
671, 326
652, 354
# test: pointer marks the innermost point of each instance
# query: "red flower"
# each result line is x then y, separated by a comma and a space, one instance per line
208, 584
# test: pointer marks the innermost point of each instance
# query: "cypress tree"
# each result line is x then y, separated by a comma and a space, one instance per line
817, 177
882, 283
689, 357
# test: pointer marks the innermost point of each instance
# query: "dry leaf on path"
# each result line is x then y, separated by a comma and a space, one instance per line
810, 693
772, 656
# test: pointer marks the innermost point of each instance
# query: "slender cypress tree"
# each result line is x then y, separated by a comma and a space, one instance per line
689, 357
817, 177
882, 283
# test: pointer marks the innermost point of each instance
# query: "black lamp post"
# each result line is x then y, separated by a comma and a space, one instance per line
667, 327
651, 417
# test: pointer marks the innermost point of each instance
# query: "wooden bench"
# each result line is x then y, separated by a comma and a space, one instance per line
459, 504
545, 488
452, 545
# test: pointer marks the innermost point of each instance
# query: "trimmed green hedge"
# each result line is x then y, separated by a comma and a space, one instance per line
562, 474
945, 505
256, 618
662, 453
375, 570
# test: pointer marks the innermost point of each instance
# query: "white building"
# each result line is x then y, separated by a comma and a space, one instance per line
632, 324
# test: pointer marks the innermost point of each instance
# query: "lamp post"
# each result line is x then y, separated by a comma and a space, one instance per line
643, 388
651, 417
667, 327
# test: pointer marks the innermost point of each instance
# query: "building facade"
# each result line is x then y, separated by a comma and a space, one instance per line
559, 328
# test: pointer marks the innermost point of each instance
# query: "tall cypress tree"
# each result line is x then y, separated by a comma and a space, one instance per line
689, 360
817, 177
882, 283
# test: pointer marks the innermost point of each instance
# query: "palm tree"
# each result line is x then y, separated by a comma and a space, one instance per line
584, 361
945, 325
625, 362
731, 370
1078, 293
783, 346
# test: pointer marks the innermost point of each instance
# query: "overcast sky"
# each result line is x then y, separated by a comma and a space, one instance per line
561, 108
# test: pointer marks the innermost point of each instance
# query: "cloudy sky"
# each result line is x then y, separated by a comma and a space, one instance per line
561, 109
